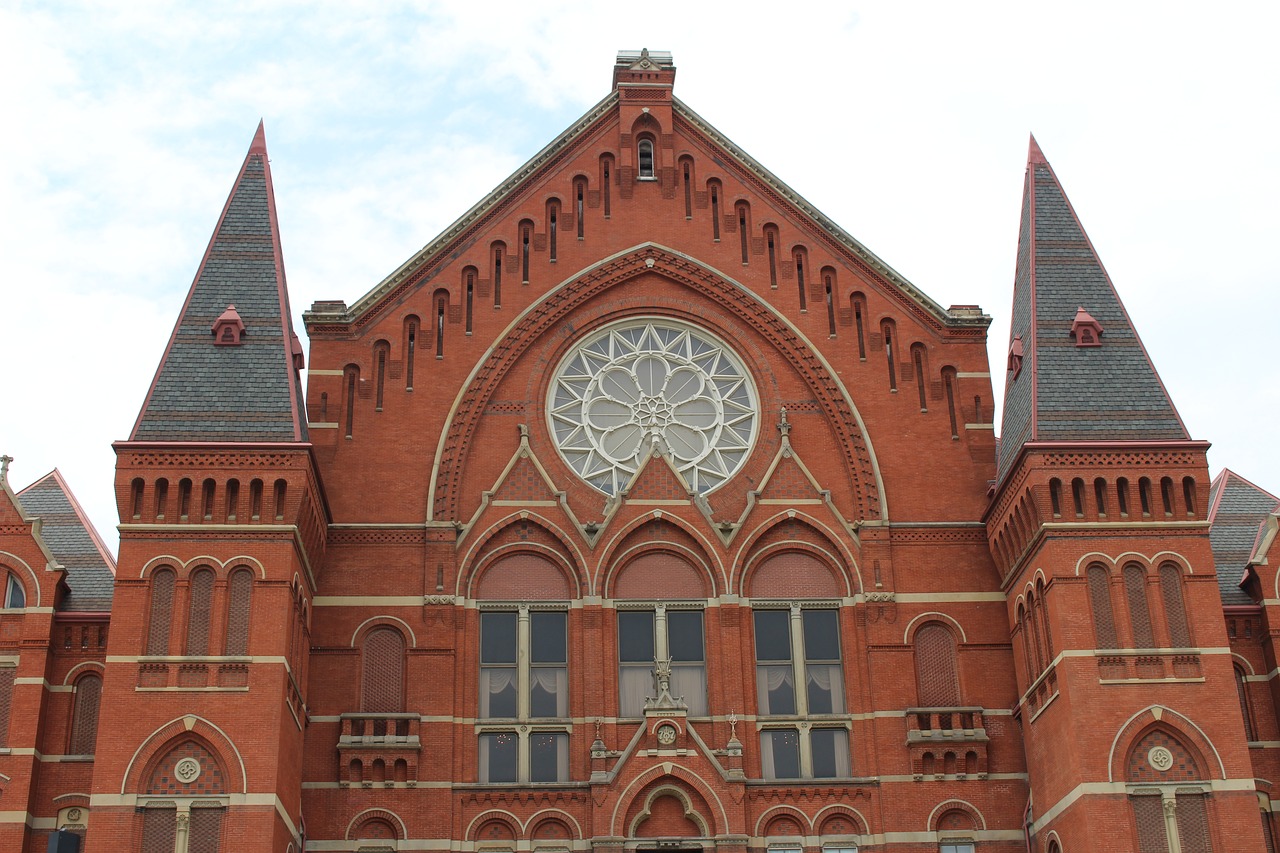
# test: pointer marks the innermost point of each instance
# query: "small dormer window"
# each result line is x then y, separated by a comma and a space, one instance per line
1086, 330
1015, 356
15, 597
644, 151
228, 329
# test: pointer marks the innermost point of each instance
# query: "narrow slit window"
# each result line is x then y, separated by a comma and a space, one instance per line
524, 254
1100, 496
688, 193
233, 499
411, 348
553, 227
1077, 496
831, 312
1055, 497
137, 488
280, 490
742, 231
1166, 495
471, 292
206, 499
1144, 495
715, 213
888, 355
440, 311
804, 297
949, 386
606, 186
497, 277
917, 356
1189, 495
1122, 496
857, 321
352, 378
184, 498
771, 244
381, 369
255, 499
162, 496
579, 194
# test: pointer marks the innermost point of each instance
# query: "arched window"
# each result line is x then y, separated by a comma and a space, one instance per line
1042, 614
948, 387
380, 351
382, 678
917, 361
206, 498
441, 310
937, 680
1135, 590
579, 204
771, 247
1024, 629
233, 498
886, 328
713, 188
859, 310
553, 229
526, 246
1037, 644
84, 716
1055, 497
279, 492
1077, 496
469, 287
1104, 622
645, 159
606, 181
411, 326
200, 605
184, 498
15, 595
829, 293
498, 250
1189, 495
352, 380
162, 497
1144, 495
1166, 495
686, 176
162, 581
1175, 611
1122, 496
1100, 496
240, 592
801, 262
743, 228
136, 490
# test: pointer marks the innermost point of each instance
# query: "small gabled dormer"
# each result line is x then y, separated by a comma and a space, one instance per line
228, 329
1086, 330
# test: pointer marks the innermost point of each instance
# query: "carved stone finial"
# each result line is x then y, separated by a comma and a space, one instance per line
733, 725
524, 431
783, 426
664, 701
4, 466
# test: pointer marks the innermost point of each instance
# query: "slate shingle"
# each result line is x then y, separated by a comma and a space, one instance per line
1238, 511
70, 537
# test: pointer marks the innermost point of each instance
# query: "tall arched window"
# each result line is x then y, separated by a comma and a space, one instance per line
948, 387
381, 351
239, 595
886, 329
1135, 591
162, 581
1175, 611
1042, 615
352, 380
411, 326
200, 605
1104, 622
382, 678
1243, 693
937, 680
84, 716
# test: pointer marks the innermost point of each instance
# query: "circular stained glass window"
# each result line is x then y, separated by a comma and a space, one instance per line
641, 383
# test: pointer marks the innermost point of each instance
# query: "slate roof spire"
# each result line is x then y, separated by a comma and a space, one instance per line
1065, 391
203, 392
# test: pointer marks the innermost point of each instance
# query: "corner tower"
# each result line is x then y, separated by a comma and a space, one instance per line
222, 521
1098, 527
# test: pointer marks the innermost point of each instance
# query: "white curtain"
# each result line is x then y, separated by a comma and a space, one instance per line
770, 679
634, 684
766, 755
494, 682
825, 679
691, 683
551, 681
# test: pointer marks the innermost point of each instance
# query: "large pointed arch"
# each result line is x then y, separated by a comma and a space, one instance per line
550, 313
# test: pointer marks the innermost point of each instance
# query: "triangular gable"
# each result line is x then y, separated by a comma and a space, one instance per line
1072, 385
424, 264
657, 480
73, 541
522, 483
235, 388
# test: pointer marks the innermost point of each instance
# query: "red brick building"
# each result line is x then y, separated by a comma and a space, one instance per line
644, 508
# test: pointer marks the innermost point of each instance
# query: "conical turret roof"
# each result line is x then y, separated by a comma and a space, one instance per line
233, 380
1073, 382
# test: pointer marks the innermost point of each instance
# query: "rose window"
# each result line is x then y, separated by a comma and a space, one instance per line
660, 383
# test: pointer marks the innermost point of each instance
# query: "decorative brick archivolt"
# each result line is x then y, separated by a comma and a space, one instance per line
629, 541
384, 621
692, 807
938, 817
81, 668
550, 316
716, 821
1179, 728
1114, 563
542, 823
521, 532
818, 571
174, 733
388, 818
482, 826
222, 568
828, 821
908, 636
807, 533
768, 823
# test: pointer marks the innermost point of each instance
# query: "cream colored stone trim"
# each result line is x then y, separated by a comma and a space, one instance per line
196, 659
958, 597
367, 601
980, 426
972, 375
15, 817
132, 801
531, 503
1093, 789
316, 371
321, 425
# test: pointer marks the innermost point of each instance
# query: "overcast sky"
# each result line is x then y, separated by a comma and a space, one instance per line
907, 123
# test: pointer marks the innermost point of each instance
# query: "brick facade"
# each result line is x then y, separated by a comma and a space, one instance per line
409, 615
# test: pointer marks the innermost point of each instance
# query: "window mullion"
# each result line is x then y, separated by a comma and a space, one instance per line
797, 661
661, 648
523, 647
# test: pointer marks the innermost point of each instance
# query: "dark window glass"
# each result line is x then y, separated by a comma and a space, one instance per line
498, 637
546, 757
773, 635
785, 744
548, 636
830, 748
684, 635
635, 636
498, 757
821, 635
